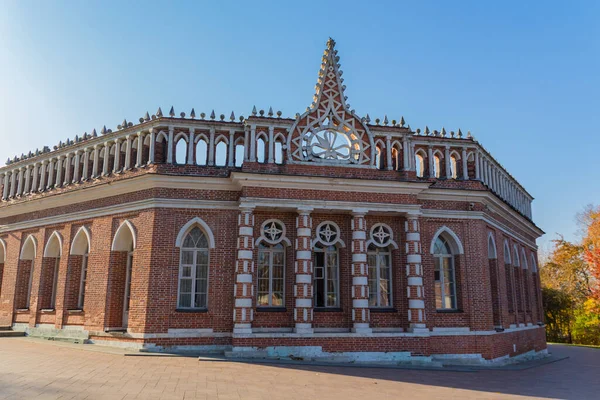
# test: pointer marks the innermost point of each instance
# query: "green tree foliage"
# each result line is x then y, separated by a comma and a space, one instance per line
558, 309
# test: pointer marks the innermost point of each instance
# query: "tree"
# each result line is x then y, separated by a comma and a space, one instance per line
591, 247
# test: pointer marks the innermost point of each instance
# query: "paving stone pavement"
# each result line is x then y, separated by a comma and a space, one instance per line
38, 369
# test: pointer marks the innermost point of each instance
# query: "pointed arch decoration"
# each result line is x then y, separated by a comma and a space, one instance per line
2, 251
54, 245
454, 242
196, 221
524, 263
329, 132
125, 237
29, 249
507, 258
82, 242
492, 253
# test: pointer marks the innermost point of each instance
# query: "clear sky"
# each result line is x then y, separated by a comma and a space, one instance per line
523, 77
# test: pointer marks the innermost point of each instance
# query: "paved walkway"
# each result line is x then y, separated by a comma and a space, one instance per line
44, 370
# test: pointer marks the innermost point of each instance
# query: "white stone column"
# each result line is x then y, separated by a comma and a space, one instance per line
252, 143
27, 180
447, 162
34, 183
414, 272
211, 147
152, 146
465, 165
431, 162
5, 188
106, 158
13, 183
388, 152
246, 143
43, 173
67, 170
50, 174
477, 166
190, 149
20, 184
140, 149
170, 146
231, 148
86, 164
271, 158
127, 165
243, 289
303, 269
59, 168
117, 160
76, 166
96, 161
407, 163
360, 273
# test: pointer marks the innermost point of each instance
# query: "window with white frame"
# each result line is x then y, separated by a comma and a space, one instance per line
379, 259
271, 272
326, 266
193, 271
445, 284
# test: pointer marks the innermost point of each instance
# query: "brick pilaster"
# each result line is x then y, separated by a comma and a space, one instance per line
243, 288
303, 268
360, 271
414, 273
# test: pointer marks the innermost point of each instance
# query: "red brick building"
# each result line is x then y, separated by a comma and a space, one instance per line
325, 233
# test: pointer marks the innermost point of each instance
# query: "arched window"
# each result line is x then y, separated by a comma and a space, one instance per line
445, 276
380, 276
260, 150
50, 264
379, 157
181, 151
420, 165
437, 172
201, 152
193, 271
279, 143
221, 154
25, 273
239, 153
271, 273
80, 246
453, 167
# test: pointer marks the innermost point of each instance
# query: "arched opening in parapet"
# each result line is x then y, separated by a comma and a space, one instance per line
221, 156
201, 151
181, 151
240, 152
420, 163
261, 155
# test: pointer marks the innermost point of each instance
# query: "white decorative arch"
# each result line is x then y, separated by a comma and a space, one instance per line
379, 143
200, 136
54, 245
125, 238
533, 263
262, 135
280, 137
179, 136
2, 251
29, 249
438, 153
337, 242
196, 221
160, 136
421, 152
454, 242
492, 255
471, 156
221, 138
383, 243
516, 261
455, 154
396, 144
240, 141
507, 257
82, 242
263, 238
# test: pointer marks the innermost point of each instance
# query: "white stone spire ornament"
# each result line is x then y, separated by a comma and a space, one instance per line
402, 122
443, 132
460, 135
328, 132
146, 117
172, 112
159, 113
94, 133
232, 116
270, 113
385, 120
192, 114
426, 130
212, 114
254, 110
368, 119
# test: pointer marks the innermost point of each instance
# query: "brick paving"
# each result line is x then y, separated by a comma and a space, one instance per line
45, 370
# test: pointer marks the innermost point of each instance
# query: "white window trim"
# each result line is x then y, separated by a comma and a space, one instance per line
82, 281
441, 280
54, 283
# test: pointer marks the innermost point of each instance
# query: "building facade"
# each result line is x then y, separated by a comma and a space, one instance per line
324, 233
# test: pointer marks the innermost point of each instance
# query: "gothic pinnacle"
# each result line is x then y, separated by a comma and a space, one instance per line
94, 134
385, 120
368, 119
172, 112
159, 113
146, 117
443, 132
103, 130
232, 116
192, 114
402, 121
270, 114
459, 134
254, 110
426, 130
212, 114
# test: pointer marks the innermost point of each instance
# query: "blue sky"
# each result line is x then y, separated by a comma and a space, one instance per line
523, 77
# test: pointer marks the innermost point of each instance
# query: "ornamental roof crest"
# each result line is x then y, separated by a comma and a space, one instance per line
328, 132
